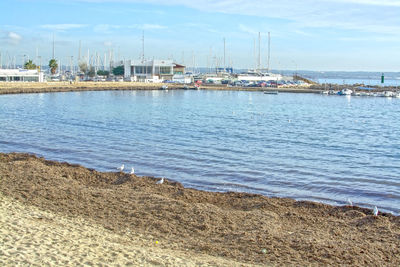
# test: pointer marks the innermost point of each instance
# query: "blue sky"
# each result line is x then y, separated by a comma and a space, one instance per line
354, 35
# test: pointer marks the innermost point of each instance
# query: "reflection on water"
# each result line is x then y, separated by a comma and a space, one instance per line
323, 148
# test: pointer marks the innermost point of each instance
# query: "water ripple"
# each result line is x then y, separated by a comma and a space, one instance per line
303, 146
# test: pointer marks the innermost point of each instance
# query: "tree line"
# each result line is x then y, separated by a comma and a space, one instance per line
83, 67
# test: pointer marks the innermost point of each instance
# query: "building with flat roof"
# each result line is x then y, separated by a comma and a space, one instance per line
20, 75
148, 70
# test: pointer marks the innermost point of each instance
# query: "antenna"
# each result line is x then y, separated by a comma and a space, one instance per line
269, 51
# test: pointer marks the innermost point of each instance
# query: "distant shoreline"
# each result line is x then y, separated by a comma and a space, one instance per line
51, 87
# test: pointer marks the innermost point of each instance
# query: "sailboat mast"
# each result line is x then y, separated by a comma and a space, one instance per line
143, 46
255, 58
224, 55
259, 51
269, 51
79, 54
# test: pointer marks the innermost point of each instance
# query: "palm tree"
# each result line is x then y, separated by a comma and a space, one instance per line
53, 65
29, 65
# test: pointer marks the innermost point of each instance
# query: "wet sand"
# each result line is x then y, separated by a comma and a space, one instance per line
63, 214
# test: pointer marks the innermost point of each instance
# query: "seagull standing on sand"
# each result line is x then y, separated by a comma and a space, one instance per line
376, 211
121, 168
161, 181
132, 171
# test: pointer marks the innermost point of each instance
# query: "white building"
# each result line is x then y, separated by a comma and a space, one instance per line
20, 75
148, 70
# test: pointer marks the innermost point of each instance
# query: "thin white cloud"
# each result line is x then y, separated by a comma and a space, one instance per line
153, 27
247, 29
108, 43
14, 36
377, 16
147, 26
63, 27
303, 33
11, 38
106, 28
393, 3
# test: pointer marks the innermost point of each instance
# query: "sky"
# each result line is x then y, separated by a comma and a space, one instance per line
321, 35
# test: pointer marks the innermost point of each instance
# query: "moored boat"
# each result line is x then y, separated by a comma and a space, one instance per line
345, 91
269, 92
388, 94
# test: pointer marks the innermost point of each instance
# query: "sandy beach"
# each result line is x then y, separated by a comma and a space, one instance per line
36, 237
62, 214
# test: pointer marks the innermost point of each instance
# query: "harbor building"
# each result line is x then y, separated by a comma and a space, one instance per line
148, 70
20, 75
155, 71
179, 69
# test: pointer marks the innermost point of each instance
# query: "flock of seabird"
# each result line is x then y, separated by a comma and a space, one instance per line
375, 211
122, 167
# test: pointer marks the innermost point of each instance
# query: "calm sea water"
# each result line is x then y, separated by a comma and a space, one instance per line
304, 146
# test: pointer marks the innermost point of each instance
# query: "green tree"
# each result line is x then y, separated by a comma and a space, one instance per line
92, 72
83, 67
53, 66
103, 72
29, 65
118, 71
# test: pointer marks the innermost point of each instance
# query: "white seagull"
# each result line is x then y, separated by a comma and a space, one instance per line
376, 211
160, 181
349, 202
132, 171
121, 168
